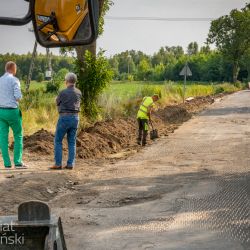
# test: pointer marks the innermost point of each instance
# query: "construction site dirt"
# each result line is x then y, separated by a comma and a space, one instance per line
111, 137
187, 190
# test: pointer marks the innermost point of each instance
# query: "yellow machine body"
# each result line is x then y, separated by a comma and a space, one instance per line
69, 15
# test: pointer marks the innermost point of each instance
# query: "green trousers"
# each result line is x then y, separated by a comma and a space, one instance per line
11, 118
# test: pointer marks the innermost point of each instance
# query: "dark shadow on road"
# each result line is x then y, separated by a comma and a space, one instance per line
224, 212
226, 111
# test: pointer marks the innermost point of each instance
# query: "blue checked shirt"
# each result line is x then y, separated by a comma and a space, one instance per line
10, 91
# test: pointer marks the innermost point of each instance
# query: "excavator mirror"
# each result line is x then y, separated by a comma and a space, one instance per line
10, 10
62, 23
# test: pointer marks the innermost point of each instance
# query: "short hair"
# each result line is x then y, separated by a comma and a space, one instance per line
157, 96
9, 65
71, 78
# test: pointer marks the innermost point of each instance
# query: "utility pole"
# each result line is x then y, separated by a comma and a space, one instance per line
32, 63
48, 74
129, 57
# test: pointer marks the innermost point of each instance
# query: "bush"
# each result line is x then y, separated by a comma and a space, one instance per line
52, 87
31, 99
40, 77
150, 90
219, 90
93, 76
238, 85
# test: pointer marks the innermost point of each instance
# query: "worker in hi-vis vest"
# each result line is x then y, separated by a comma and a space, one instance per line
143, 117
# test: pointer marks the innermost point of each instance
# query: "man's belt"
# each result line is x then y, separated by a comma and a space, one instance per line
7, 108
68, 114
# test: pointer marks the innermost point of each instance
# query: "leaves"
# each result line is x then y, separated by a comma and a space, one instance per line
230, 34
94, 74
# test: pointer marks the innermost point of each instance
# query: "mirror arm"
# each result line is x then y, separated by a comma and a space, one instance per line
92, 22
52, 21
16, 21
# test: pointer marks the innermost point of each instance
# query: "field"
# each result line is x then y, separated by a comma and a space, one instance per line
119, 99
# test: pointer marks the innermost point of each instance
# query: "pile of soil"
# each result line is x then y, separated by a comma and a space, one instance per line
41, 142
173, 114
199, 103
106, 138
109, 137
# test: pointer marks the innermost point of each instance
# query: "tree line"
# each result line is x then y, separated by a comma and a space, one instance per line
40, 67
229, 62
207, 65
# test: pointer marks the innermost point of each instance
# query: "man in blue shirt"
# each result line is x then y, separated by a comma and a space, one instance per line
68, 103
10, 116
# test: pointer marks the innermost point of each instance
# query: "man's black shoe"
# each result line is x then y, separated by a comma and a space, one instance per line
68, 168
21, 166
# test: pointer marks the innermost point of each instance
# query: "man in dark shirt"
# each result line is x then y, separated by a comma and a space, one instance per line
68, 102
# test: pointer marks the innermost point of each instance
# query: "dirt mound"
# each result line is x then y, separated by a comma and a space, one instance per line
174, 114
106, 138
198, 103
109, 137
101, 139
41, 142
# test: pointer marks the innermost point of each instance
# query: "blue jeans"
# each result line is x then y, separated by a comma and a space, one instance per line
66, 125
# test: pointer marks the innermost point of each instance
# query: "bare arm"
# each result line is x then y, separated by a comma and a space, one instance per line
17, 90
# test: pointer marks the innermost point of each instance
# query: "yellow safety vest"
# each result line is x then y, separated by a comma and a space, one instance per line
147, 102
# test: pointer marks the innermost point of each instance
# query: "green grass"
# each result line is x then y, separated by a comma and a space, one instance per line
127, 90
35, 85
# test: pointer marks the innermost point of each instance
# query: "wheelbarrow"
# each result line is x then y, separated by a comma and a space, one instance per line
34, 228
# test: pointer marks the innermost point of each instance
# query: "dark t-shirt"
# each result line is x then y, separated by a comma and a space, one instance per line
69, 100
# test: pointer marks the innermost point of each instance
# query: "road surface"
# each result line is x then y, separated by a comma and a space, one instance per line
187, 191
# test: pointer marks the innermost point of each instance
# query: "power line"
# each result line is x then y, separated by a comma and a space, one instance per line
165, 19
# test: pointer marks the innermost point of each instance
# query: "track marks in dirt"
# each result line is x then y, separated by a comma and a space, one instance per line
41, 187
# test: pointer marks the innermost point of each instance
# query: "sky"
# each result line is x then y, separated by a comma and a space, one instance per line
121, 35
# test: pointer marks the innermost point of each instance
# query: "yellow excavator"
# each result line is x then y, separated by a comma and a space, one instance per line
65, 17
61, 23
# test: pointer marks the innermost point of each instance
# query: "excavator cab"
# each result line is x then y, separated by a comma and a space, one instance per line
65, 22
61, 23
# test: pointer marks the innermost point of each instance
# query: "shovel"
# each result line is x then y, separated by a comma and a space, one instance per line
154, 132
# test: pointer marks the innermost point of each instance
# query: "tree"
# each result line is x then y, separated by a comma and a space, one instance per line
114, 64
230, 33
246, 63
92, 81
176, 51
158, 72
104, 6
87, 58
144, 70
193, 48
205, 49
